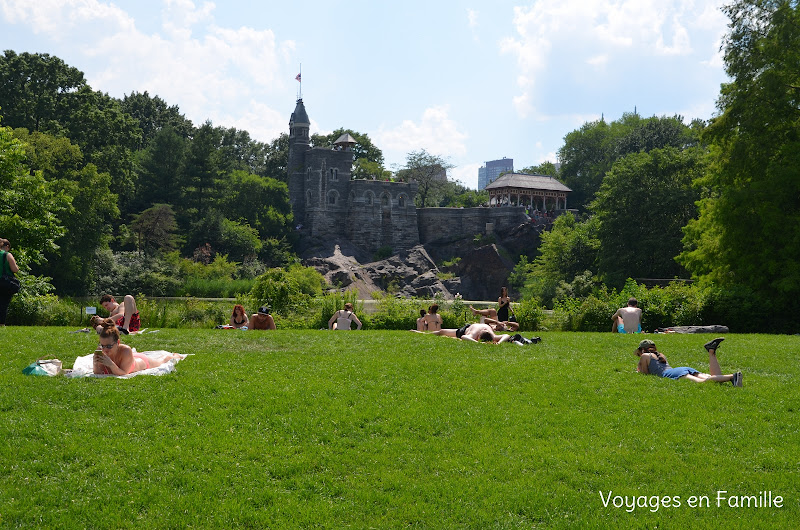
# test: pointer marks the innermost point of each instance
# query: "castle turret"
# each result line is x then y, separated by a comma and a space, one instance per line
299, 138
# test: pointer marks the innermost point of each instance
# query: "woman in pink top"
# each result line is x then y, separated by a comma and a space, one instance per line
113, 357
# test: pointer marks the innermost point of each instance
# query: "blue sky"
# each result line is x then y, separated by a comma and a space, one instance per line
470, 81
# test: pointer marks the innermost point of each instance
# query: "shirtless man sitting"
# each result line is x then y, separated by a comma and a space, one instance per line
474, 333
627, 319
124, 315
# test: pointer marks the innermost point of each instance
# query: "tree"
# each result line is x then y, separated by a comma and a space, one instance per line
107, 137
201, 172
36, 89
746, 232
589, 153
155, 230
277, 158
153, 114
240, 152
261, 202
545, 168
429, 172
87, 217
29, 205
641, 207
363, 150
568, 250
159, 167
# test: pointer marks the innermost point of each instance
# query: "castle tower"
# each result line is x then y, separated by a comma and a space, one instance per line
299, 138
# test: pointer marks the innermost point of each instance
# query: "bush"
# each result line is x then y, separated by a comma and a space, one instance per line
130, 272
382, 253
529, 315
394, 313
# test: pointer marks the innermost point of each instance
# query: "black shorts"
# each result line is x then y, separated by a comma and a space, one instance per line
463, 329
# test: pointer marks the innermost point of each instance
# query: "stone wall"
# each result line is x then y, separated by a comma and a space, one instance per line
382, 214
443, 224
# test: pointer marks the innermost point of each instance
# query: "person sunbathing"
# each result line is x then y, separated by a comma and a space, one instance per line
474, 333
651, 362
113, 357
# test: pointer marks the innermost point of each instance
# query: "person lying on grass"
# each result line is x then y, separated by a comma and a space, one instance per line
113, 357
473, 333
651, 362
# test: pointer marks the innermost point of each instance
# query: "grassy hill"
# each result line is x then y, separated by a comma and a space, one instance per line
395, 429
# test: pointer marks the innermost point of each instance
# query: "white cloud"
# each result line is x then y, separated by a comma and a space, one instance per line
466, 174
472, 17
59, 18
436, 132
598, 60
562, 35
206, 69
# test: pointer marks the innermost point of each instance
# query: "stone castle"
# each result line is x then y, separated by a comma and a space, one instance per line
371, 214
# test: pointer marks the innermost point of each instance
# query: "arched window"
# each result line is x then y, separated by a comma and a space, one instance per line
401, 201
308, 197
332, 196
370, 198
385, 200
334, 174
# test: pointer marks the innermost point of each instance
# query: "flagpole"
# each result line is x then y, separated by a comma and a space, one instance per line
301, 81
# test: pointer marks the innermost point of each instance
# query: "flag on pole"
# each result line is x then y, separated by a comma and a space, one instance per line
298, 77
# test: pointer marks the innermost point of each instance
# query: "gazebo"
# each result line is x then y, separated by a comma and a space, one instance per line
534, 191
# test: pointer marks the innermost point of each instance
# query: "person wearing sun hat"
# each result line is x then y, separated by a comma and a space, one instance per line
262, 320
652, 362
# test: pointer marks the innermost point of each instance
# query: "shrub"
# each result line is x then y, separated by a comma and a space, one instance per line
382, 253
529, 315
394, 313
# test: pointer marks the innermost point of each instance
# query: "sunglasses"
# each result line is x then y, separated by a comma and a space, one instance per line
108, 346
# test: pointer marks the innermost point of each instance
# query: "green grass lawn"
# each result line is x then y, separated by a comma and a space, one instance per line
394, 429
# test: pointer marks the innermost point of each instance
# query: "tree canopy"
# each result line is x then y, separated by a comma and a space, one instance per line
746, 233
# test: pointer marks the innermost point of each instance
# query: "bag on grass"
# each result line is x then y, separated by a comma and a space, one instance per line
49, 367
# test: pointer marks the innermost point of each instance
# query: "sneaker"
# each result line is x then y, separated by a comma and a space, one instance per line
123, 330
737, 379
713, 344
535, 340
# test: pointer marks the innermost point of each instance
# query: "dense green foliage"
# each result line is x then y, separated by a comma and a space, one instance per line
394, 429
746, 234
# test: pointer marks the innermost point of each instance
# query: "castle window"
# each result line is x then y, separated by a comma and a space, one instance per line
332, 198
308, 173
385, 200
334, 174
370, 198
401, 201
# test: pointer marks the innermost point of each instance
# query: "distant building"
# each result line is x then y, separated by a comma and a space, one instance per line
493, 168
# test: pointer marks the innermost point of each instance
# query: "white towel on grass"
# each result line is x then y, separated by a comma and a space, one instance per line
84, 366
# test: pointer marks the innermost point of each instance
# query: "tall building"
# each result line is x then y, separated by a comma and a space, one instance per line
493, 168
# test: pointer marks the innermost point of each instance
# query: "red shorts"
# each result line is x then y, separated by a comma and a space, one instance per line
135, 324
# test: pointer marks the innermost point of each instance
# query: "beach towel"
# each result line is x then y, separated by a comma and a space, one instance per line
83, 366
